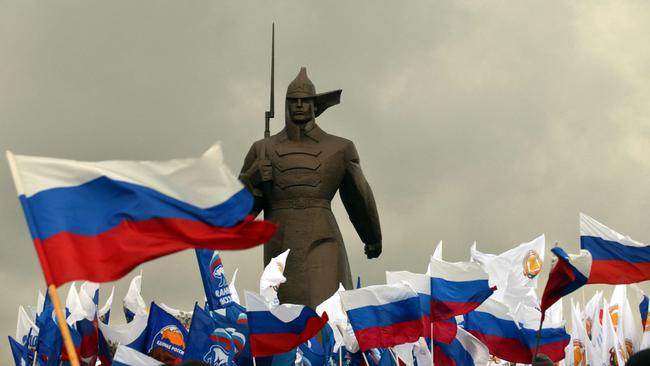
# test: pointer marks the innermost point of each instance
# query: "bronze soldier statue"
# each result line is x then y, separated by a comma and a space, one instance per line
293, 176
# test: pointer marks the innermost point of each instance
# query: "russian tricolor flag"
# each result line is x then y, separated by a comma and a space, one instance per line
493, 325
507, 339
464, 350
616, 258
281, 329
569, 273
457, 288
383, 315
98, 220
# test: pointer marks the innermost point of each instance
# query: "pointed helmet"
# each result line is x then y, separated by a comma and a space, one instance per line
302, 87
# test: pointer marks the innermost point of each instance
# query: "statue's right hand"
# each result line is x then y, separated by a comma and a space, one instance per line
266, 170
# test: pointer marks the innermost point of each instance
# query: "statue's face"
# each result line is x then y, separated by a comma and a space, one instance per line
301, 110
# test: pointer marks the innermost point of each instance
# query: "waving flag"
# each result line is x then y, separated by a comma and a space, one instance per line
273, 277
421, 283
553, 337
611, 347
383, 315
280, 329
617, 259
644, 305
98, 220
493, 325
233, 289
514, 272
569, 274
464, 350
208, 342
457, 288
213, 276
131, 334
166, 337
133, 302
22, 355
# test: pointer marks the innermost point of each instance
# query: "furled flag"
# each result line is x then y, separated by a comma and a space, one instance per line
465, 349
514, 272
437, 254
26, 330
611, 348
569, 273
104, 313
592, 315
166, 337
208, 342
336, 316
644, 306
133, 302
616, 258
273, 277
580, 351
280, 329
623, 321
457, 288
383, 315
233, 289
213, 276
126, 356
99, 220
131, 334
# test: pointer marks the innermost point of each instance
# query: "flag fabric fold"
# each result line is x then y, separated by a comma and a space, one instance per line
280, 329
569, 274
457, 288
213, 276
616, 258
383, 315
98, 220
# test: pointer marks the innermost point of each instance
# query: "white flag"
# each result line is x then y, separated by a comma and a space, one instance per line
623, 321
101, 313
437, 254
133, 301
233, 289
272, 278
128, 356
514, 272
611, 348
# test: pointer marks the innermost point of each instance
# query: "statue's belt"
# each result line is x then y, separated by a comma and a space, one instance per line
300, 203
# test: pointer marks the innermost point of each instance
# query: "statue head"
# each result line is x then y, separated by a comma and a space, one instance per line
302, 102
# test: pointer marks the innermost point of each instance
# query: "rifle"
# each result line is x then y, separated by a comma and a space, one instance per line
266, 185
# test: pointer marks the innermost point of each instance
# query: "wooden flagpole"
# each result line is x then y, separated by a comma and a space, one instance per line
63, 325
51, 288
364, 358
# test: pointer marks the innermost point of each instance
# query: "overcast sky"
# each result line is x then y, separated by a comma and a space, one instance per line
489, 121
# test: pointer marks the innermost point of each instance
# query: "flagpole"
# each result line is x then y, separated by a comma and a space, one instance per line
254, 363
390, 349
51, 288
340, 357
364, 358
35, 358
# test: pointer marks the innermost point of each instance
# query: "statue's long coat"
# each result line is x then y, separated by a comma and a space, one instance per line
309, 167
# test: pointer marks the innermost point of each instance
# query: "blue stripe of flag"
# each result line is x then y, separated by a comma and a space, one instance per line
458, 291
602, 249
386, 314
103, 203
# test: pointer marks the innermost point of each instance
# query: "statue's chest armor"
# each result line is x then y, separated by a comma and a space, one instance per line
297, 166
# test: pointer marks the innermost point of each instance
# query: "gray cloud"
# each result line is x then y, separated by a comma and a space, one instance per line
479, 121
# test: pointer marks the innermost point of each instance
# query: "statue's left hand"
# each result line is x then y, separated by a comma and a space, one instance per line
372, 250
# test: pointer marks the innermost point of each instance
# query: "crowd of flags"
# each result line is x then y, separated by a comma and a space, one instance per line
97, 221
